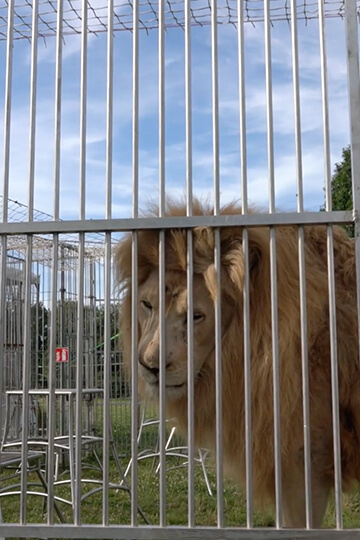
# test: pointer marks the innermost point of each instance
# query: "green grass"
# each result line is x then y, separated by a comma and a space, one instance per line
148, 492
148, 496
176, 502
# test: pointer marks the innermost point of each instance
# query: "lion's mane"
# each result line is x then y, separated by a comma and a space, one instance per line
289, 343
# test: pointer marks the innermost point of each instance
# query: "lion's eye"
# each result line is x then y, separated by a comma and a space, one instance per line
145, 304
197, 317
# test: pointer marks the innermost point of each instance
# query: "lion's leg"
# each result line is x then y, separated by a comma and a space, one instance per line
294, 510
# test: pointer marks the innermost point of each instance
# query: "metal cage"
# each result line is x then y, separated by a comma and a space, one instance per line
109, 106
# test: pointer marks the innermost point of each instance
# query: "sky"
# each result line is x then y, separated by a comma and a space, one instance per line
202, 147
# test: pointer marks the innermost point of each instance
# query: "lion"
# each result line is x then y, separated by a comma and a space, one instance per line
205, 292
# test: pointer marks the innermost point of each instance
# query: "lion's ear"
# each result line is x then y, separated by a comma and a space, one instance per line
233, 257
254, 258
147, 254
233, 264
259, 247
203, 245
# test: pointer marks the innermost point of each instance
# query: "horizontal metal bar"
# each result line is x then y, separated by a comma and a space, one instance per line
167, 533
133, 224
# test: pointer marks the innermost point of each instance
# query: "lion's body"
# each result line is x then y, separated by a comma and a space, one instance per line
289, 344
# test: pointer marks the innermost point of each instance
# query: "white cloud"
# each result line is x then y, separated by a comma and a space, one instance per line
283, 112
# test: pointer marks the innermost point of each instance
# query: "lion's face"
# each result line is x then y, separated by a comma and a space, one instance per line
175, 332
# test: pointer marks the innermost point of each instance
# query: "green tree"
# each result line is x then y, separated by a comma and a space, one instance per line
341, 187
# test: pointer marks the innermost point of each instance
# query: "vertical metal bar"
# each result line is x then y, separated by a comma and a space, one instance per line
5, 188
7, 110
190, 269
215, 106
134, 381
325, 103
217, 263
52, 382
302, 268
161, 90
28, 263
218, 389
26, 378
79, 383
276, 377
334, 377
33, 88
297, 114
80, 306
109, 106
162, 307
134, 281
242, 106
107, 263
352, 45
26, 375
269, 106
246, 294
331, 280
305, 378
107, 380
58, 86
83, 101
273, 271
162, 374
247, 382
135, 111
190, 380
188, 108
54, 270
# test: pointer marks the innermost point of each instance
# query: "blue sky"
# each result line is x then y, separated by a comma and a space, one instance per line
284, 141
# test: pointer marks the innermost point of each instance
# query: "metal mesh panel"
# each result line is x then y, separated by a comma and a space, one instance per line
149, 15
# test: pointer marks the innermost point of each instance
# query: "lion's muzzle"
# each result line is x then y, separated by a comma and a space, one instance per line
149, 371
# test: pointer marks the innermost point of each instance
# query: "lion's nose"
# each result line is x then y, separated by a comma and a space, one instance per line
153, 369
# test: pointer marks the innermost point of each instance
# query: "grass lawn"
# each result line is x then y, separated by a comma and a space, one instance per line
176, 502
148, 492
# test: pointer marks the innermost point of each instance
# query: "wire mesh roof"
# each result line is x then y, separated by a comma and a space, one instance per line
148, 14
42, 245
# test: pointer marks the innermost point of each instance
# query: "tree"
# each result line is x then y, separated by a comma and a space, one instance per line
341, 187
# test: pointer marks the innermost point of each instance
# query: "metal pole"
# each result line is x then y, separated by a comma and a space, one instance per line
302, 268
190, 269
352, 44
134, 281
246, 293
217, 263
273, 267
162, 274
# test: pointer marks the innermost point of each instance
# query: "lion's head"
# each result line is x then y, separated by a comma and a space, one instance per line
206, 288
175, 331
